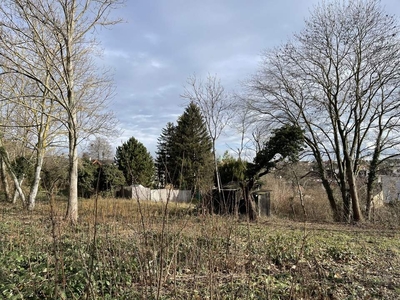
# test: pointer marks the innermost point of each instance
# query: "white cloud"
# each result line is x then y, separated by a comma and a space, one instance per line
116, 53
156, 64
152, 38
163, 42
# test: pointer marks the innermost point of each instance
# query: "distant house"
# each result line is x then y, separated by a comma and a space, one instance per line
390, 190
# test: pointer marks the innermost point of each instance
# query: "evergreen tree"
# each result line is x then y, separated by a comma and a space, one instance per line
87, 173
285, 143
192, 151
231, 169
94, 177
135, 162
110, 177
164, 162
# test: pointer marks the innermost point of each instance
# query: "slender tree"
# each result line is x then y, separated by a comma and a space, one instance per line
31, 122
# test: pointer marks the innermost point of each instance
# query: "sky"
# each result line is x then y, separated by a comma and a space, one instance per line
160, 43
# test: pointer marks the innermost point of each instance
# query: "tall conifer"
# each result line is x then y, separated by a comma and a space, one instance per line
164, 160
192, 151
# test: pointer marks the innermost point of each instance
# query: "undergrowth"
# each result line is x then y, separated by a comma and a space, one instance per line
166, 251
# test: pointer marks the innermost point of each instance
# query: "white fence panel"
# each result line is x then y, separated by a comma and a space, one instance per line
142, 193
171, 195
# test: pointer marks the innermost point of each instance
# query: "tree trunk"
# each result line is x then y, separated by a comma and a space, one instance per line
368, 205
344, 191
6, 161
251, 210
36, 180
221, 196
355, 202
346, 202
332, 201
328, 189
18, 190
72, 210
4, 181
373, 166
299, 188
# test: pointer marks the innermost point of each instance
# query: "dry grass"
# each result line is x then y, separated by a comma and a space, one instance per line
152, 251
286, 201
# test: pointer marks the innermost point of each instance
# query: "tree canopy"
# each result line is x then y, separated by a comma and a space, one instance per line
135, 162
231, 169
286, 143
95, 177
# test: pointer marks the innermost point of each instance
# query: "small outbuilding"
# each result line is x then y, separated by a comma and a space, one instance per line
227, 201
263, 202
230, 201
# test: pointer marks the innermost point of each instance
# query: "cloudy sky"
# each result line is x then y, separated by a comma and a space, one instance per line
163, 42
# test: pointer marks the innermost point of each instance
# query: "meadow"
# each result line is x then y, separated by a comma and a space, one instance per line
124, 249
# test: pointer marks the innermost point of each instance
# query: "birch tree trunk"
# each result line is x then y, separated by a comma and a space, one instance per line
72, 210
4, 181
18, 193
36, 180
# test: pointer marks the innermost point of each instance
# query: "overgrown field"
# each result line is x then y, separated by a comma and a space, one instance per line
154, 251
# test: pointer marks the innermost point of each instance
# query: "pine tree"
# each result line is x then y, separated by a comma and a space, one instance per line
164, 162
135, 162
192, 151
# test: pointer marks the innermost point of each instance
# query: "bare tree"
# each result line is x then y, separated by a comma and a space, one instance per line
215, 106
16, 134
50, 42
31, 121
241, 126
252, 128
100, 149
338, 80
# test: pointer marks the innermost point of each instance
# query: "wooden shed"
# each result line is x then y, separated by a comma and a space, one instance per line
263, 202
227, 201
